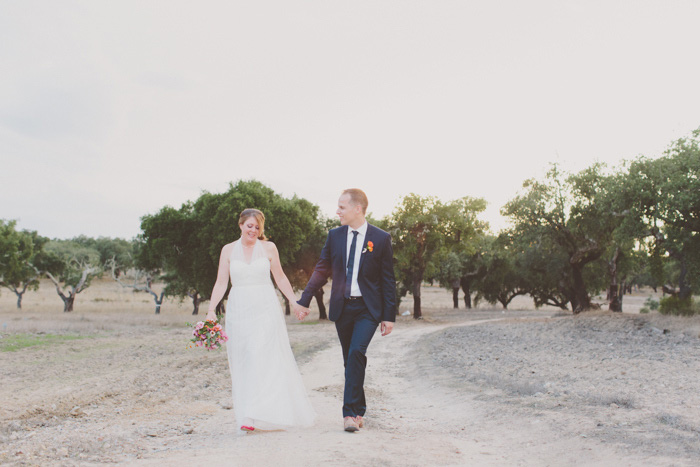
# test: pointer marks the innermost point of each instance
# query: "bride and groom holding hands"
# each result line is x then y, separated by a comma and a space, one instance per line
268, 392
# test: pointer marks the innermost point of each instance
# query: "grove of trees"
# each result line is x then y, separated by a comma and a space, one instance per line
571, 237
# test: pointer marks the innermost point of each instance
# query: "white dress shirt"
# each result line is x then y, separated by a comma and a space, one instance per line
362, 231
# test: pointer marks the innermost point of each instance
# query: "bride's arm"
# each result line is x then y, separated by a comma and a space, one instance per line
280, 277
221, 283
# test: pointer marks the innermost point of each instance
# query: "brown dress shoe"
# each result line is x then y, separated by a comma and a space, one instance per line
350, 424
358, 419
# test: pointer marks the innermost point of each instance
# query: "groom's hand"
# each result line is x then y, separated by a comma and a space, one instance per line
386, 327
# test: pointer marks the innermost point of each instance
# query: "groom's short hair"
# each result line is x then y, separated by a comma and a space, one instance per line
359, 197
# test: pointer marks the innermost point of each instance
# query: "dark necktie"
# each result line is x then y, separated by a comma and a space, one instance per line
351, 264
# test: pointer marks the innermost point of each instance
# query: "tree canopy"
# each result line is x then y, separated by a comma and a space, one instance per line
20, 254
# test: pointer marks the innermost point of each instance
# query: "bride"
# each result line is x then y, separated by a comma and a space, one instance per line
268, 392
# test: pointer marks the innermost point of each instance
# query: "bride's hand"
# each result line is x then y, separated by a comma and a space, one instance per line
211, 316
300, 311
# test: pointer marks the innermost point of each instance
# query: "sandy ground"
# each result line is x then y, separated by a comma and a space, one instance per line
480, 387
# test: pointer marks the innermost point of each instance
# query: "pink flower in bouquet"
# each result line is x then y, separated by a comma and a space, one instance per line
208, 334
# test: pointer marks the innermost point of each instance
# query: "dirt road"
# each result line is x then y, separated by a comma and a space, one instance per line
117, 386
415, 420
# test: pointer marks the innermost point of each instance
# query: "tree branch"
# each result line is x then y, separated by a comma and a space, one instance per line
59, 289
87, 270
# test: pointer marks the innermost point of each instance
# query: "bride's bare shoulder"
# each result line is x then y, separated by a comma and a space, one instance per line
268, 246
227, 248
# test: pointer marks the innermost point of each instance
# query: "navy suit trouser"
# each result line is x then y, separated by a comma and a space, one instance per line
355, 327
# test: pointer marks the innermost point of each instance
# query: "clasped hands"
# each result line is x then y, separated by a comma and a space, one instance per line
300, 312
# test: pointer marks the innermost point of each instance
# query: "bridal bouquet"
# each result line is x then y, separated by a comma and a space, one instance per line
208, 334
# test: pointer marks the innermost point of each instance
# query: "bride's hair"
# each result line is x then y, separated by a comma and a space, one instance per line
259, 216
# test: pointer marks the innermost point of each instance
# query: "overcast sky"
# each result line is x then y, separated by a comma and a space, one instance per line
112, 110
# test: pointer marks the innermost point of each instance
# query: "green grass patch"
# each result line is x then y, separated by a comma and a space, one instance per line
14, 342
304, 323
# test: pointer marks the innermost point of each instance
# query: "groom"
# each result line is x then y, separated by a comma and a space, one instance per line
359, 258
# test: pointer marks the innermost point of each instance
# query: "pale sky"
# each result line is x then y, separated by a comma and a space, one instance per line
110, 110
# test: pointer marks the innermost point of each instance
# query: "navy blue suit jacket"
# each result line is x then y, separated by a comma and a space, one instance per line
375, 276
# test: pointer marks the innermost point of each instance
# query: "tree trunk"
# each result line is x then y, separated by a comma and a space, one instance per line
147, 287
321, 307
220, 309
467, 288
614, 303
19, 294
196, 300
553, 301
506, 299
159, 301
68, 302
582, 300
684, 290
455, 293
287, 308
621, 295
417, 314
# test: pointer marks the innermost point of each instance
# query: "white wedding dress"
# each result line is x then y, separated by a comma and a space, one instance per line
268, 392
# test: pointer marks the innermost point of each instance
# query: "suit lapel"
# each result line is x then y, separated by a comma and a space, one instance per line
368, 237
344, 248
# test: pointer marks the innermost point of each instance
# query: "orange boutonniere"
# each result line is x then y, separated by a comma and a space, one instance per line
370, 247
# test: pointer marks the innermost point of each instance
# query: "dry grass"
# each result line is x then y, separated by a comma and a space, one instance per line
102, 307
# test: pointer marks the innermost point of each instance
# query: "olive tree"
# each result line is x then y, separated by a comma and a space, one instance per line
71, 267
20, 253
425, 230
563, 213
664, 196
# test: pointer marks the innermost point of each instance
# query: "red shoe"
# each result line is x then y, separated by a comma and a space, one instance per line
349, 424
247, 428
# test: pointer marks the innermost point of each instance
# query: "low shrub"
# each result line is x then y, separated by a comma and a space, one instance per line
675, 306
651, 304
